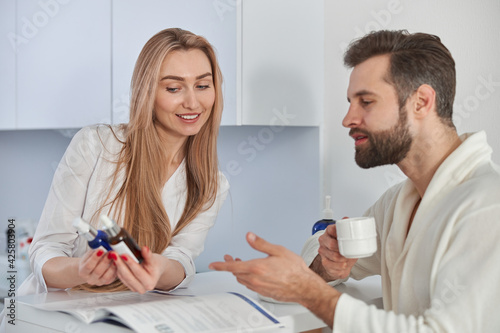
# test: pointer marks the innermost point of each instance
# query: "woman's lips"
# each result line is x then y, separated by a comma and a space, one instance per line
189, 117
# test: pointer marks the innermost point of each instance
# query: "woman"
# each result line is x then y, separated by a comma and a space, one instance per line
157, 176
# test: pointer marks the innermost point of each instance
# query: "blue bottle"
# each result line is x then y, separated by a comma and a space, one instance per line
327, 217
95, 238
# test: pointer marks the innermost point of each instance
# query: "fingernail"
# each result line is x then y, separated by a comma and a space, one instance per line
113, 256
251, 236
124, 257
100, 253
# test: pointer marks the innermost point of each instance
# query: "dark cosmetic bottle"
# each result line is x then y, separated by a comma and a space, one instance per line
327, 217
95, 238
120, 240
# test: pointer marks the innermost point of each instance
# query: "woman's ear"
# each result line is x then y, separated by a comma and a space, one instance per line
425, 101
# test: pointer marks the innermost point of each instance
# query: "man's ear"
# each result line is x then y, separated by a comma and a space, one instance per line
424, 101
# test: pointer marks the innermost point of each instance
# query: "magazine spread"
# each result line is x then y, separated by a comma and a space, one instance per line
155, 312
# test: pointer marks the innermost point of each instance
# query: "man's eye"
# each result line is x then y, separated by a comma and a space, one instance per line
366, 102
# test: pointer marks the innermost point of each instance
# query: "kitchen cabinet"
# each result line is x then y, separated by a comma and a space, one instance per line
282, 62
63, 63
270, 53
73, 60
135, 22
7, 65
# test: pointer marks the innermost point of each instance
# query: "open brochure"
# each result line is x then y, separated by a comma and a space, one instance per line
165, 313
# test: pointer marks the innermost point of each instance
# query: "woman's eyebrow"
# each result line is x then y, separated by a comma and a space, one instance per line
203, 75
179, 78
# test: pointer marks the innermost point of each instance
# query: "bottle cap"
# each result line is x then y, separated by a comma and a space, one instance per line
327, 212
111, 228
81, 225
108, 223
84, 228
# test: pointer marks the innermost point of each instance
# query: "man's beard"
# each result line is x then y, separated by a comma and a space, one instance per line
384, 147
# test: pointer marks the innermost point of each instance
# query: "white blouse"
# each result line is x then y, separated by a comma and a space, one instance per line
80, 186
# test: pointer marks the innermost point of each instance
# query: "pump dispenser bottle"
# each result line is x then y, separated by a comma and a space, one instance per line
327, 217
120, 240
95, 238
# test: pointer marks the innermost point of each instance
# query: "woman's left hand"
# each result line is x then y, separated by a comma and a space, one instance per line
140, 277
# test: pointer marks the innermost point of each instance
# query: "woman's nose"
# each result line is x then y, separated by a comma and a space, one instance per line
190, 100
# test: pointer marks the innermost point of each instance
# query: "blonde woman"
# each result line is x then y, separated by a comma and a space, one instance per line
157, 176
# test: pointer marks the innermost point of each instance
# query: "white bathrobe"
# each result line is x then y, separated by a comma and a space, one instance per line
445, 276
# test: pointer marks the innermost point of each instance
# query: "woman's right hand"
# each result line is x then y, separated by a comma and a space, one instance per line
97, 268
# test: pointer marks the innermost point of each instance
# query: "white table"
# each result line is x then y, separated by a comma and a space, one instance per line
295, 317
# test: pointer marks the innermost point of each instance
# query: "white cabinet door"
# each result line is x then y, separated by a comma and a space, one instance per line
64, 63
282, 62
7, 64
134, 22
270, 52
74, 65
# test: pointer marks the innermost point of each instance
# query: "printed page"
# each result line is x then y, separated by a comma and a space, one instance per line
227, 312
94, 307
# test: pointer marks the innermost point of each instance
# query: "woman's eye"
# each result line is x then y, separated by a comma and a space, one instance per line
172, 90
205, 86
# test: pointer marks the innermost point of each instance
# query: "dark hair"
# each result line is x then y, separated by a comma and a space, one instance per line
415, 59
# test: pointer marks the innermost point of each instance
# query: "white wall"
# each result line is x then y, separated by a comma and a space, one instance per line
275, 193
274, 177
470, 29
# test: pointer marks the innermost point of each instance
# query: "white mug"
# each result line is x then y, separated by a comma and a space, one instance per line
357, 237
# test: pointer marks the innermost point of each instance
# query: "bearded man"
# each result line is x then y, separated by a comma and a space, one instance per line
437, 231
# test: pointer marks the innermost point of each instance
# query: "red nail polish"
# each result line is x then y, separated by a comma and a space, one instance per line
100, 253
113, 256
124, 258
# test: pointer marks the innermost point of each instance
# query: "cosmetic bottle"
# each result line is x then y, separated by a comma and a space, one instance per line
327, 217
95, 238
120, 240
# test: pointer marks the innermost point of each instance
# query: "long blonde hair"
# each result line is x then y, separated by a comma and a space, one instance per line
138, 203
